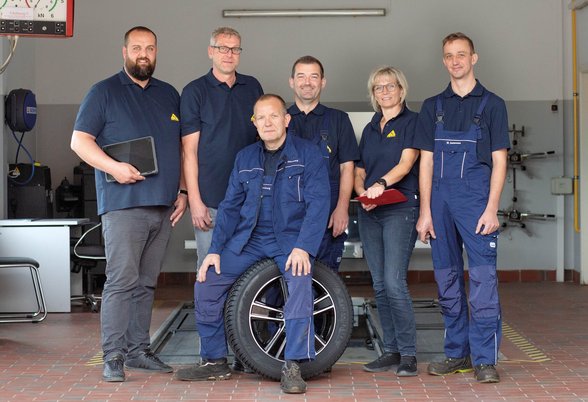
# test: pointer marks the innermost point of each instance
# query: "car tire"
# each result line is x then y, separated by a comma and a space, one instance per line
254, 319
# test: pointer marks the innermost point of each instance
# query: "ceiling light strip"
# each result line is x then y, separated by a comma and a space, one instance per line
340, 12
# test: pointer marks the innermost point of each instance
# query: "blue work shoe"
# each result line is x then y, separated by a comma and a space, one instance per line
147, 361
451, 366
208, 370
113, 369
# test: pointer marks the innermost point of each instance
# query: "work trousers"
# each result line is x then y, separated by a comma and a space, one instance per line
135, 242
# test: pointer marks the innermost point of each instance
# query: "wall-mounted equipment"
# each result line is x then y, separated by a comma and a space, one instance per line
513, 217
41, 18
516, 157
21, 110
517, 218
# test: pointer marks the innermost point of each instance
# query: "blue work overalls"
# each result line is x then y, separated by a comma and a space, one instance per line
210, 296
331, 248
459, 196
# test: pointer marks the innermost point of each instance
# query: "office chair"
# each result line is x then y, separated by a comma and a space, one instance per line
85, 256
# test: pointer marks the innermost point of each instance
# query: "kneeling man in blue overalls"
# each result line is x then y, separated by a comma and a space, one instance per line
275, 208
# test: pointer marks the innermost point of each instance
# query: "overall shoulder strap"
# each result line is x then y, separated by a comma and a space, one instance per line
478, 115
439, 110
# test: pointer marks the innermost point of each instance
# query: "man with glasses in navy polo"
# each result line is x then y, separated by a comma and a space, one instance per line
216, 124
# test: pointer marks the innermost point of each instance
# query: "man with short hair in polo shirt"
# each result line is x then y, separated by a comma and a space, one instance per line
463, 136
137, 211
332, 131
216, 124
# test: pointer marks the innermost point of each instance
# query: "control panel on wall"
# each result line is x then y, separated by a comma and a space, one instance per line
40, 18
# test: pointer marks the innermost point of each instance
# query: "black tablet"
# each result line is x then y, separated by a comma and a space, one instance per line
139, 152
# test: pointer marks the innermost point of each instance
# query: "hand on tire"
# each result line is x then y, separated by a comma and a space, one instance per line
209, 260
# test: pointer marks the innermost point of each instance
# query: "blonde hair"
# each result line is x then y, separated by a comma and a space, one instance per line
389, 71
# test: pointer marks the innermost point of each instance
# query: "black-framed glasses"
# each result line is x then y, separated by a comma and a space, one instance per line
226, 49
380, 88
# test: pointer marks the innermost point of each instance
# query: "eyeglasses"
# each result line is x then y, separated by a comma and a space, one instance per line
225, 49
380, 88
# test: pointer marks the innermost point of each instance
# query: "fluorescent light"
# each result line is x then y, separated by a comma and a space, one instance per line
338, 12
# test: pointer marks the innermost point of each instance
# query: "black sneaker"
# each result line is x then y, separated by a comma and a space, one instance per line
238, 366
407, 367
450, 366
383, 363
291, 381
486, 373
113, 369
147, 361
213, 370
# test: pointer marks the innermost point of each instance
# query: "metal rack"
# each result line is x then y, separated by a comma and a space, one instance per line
514, 217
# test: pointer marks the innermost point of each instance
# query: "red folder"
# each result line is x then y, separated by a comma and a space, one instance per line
391, 196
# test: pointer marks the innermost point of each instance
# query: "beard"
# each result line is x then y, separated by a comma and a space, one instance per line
141, 73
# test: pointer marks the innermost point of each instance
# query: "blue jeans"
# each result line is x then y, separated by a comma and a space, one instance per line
388, 237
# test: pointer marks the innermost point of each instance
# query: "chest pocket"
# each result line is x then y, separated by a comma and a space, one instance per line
454, 151
291, 183
251, 181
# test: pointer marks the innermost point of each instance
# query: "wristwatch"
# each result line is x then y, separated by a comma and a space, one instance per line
182, 191
382, 181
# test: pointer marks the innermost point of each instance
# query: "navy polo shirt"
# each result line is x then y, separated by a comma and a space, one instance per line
381, 151
222, 114
117, 109
458, 116
341, 141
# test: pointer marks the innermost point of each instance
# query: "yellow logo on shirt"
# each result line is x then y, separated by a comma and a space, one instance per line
174, 117
329, 149
391, 134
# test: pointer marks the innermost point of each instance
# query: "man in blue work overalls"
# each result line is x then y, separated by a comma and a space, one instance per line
274, 208
463, 137
332, 131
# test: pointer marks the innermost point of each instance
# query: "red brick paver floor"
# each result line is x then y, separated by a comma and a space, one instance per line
545, 343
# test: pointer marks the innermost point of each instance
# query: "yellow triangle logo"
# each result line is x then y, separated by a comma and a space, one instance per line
174, 117
391, 134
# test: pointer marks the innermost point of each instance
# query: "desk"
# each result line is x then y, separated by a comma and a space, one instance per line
47, 241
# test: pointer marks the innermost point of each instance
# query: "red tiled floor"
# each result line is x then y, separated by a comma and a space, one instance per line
51, 361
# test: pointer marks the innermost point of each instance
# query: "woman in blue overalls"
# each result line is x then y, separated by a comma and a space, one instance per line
388, 232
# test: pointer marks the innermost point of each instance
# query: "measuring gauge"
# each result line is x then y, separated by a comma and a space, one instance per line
44, 18
14, 3
48, 10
